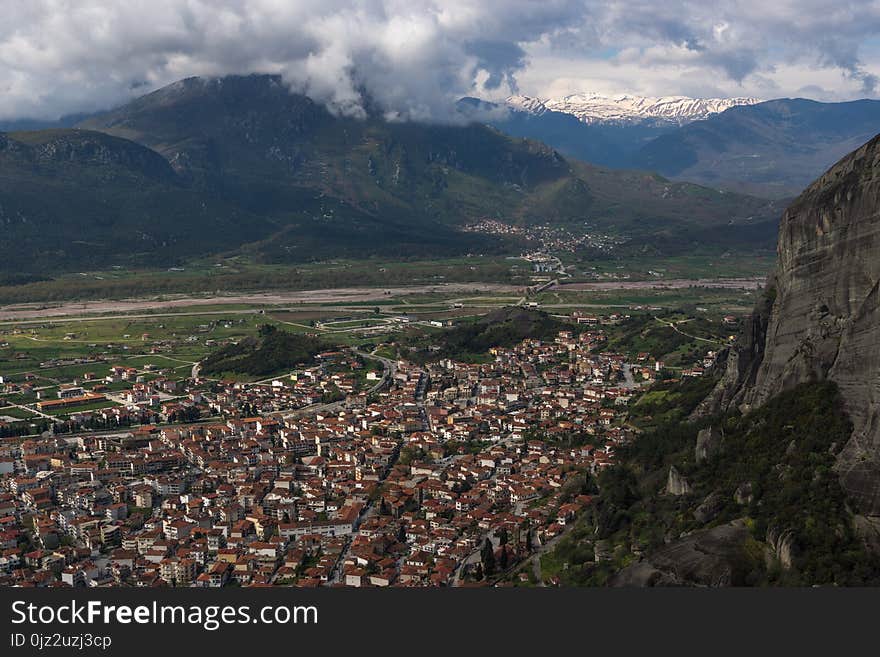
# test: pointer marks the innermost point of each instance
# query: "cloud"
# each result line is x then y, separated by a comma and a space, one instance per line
737, 47
415, 58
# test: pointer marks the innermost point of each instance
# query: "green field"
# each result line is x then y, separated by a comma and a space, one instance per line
15, 412
241, 274
173, 340
82, 408
682, 266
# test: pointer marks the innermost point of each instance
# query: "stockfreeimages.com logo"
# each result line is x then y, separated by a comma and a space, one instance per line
209, 617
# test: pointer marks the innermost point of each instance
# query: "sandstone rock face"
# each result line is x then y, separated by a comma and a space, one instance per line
708, 443
868, 528
781, 543
676, 484
821, 315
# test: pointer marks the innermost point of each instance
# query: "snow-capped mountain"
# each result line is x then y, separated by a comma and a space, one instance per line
527, 104
594, 108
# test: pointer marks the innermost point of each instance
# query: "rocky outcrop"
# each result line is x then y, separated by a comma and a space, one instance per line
602, 551
708, 444
743, 494
820, 316
676, 484
782, 546
709, 508
868, 529
712, 557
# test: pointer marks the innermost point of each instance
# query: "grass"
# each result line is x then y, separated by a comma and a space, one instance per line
82, 408
182, 339
386, 352
552, 565
684, 266
713, 298
240, 275
366, 322
15, 412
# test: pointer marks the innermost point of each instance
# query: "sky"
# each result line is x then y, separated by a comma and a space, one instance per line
416, 57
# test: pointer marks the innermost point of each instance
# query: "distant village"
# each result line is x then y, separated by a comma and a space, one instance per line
555, 239
401, 477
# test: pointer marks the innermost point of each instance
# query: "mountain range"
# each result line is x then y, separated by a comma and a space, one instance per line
771, 149
612, 145
241, 165
625, 109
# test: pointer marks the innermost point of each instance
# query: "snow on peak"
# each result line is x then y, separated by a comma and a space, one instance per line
624, 108
526, 104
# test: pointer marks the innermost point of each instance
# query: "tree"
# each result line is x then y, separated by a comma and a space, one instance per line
502, 537
487, 556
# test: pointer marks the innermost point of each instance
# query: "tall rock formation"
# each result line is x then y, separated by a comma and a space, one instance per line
820, 318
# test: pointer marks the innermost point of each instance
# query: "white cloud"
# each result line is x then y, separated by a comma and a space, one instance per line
415, 57
818, 48
412, 57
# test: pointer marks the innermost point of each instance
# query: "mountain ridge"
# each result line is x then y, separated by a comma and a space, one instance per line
453, 173
774, 148
622, 109
75, 197
257, 170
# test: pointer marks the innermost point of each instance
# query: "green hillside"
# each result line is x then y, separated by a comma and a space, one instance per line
762, 504
241, 165
74, 198
271, 351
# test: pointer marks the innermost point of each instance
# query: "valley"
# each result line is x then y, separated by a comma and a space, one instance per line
246, 340
110, 373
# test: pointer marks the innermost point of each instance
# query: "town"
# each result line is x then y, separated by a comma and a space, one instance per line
359, 469
552, 238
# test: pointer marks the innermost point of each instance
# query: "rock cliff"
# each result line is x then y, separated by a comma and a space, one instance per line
819, 319
676, 484
711, 557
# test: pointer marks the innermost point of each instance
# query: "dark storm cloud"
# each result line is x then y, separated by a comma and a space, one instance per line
500, 59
